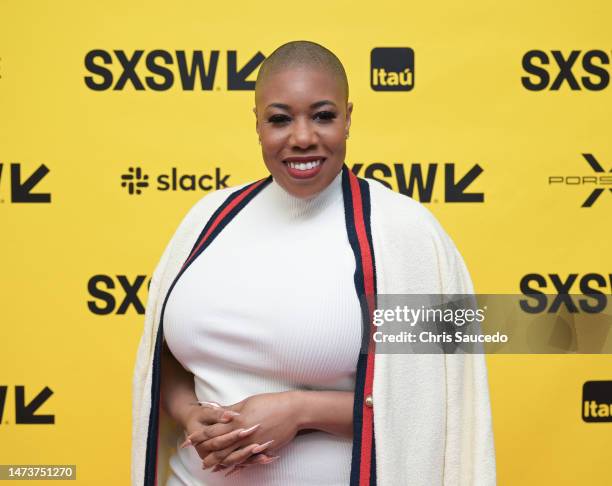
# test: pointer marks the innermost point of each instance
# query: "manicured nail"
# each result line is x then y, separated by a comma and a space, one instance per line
262, 447
228, 415
271, 459
187, 443
246, 432
209, 404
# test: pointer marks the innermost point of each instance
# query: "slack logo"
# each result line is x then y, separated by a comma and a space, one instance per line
21, 188
392, 69
597, 401
135, 180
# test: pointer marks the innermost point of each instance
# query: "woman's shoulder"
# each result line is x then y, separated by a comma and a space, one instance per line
400, 210
207, 204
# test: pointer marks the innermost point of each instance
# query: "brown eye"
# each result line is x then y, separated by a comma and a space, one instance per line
325, 115
278, 119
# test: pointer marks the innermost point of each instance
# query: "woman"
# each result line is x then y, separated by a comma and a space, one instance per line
255, 317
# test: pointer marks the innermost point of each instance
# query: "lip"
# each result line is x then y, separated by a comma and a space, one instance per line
310, 158
304, 174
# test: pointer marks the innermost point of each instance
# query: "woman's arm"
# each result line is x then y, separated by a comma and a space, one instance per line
177, 388
329, 411
280, 416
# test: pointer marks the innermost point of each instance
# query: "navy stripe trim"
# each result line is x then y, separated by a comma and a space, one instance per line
152, 437
363, 357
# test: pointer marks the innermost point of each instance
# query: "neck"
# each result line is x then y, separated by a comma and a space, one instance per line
296, 207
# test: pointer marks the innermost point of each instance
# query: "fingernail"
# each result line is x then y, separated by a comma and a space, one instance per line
187, 443
271, 459
262, 447
209, 404
228, 416
246, 432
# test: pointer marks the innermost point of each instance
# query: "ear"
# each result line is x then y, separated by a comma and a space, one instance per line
349, 111
256, 120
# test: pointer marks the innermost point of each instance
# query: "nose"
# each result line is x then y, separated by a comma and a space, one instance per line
303, 134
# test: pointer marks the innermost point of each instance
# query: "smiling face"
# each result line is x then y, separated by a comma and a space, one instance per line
302, 121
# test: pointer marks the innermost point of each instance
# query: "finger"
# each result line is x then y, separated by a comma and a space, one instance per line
209, 404
210, 415
226, 440
241, 455
208, 432
251, 461
221, 457
270, 459
254, 459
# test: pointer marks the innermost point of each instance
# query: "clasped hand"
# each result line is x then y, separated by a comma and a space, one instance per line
238, 434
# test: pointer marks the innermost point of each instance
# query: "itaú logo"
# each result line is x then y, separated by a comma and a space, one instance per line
597, 182
597, 401
392, 69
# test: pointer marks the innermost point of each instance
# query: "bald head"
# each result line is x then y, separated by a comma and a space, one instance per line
302, 54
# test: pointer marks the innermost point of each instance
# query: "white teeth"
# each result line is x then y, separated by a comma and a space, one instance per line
304, 165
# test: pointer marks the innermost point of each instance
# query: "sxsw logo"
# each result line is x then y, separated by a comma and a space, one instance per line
22, 187
135, 180
597, 401
557, 69
418, 180
594, 288
392, 69
115, 295
161, 70
25, 413
597, 181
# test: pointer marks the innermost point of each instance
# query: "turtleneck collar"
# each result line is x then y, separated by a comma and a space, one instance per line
296, 207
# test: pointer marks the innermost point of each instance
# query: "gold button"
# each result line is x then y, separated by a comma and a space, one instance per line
369, 401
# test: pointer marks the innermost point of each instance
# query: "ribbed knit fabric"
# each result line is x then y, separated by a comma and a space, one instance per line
271, 306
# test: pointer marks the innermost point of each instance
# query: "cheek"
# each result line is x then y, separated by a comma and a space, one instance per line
273, 141
334, 138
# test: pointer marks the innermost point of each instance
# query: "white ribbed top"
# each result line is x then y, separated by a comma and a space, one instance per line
271, 306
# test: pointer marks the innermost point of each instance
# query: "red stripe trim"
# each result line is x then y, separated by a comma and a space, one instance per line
222, 215
215, 223
368, 280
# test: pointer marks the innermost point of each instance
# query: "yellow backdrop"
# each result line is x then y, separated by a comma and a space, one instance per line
77, 130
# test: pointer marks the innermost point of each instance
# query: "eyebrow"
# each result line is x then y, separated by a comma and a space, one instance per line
316, 104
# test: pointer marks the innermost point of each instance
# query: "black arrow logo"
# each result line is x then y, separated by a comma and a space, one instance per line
3, 390
24, 414
21, 191
236, 80
454, 191
596, 166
